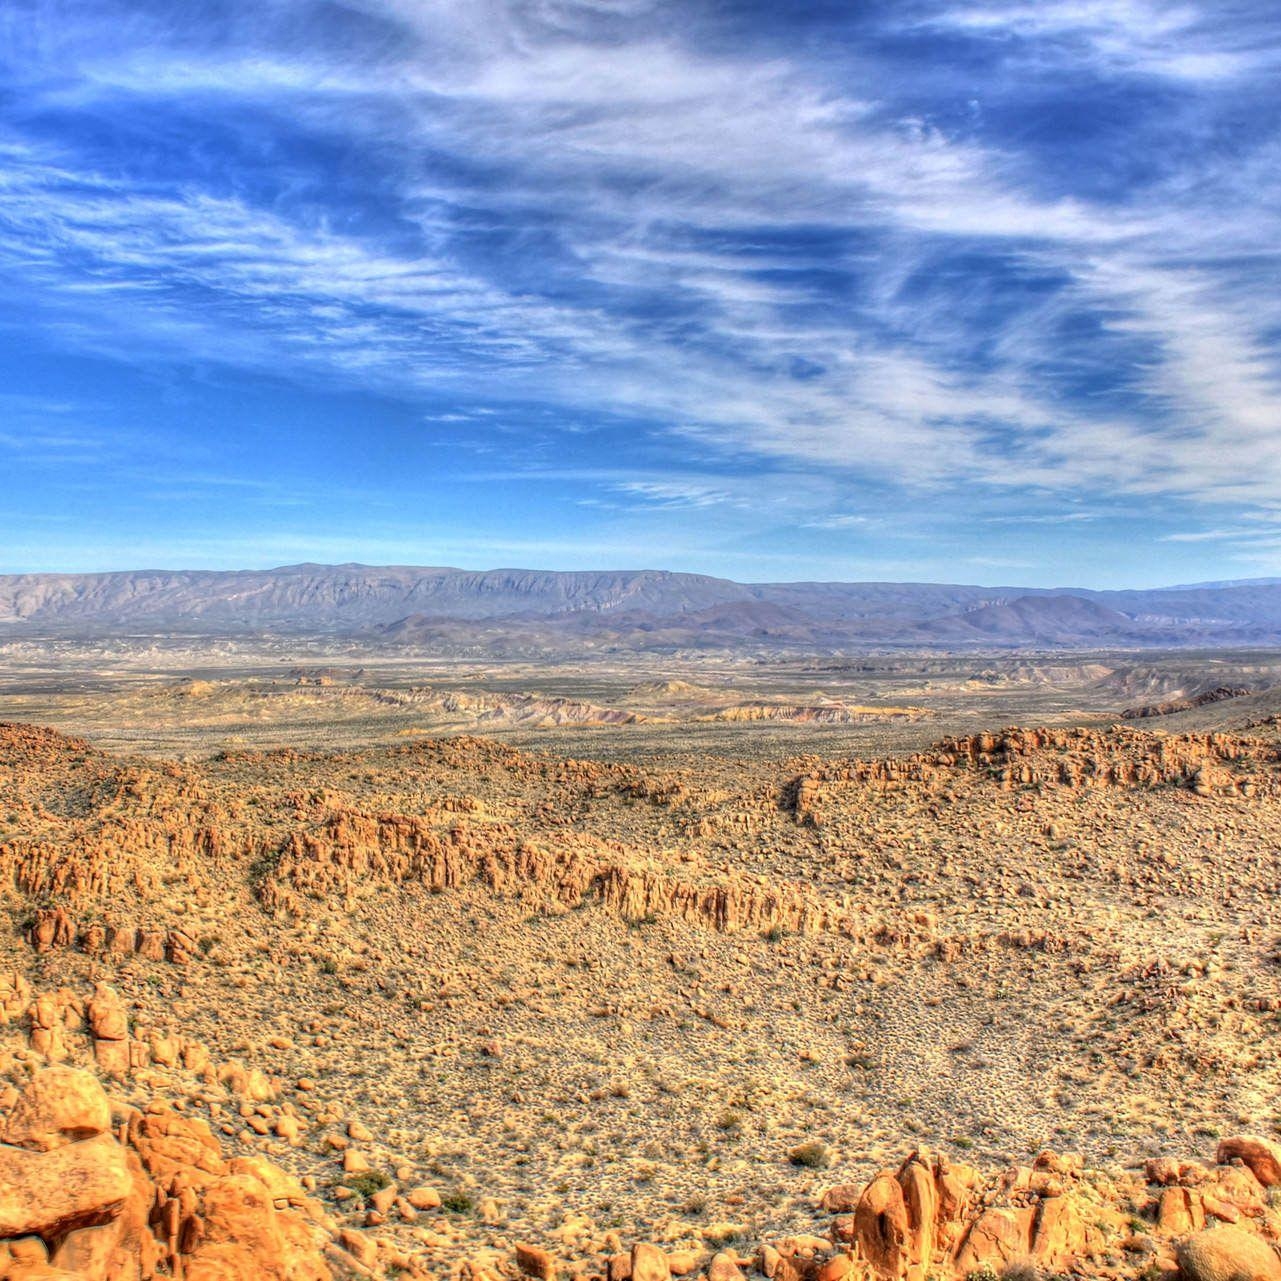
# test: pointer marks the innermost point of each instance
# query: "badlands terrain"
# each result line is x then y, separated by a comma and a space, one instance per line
319, 958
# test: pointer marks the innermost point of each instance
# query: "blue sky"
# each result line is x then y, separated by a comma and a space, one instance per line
982, 291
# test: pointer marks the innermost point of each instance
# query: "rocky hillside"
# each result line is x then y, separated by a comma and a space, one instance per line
453, 1008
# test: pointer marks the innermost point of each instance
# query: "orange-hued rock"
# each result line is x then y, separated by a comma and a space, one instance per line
1261, 1156
1000, 1235
158, 1197
49, 1194
1179, 1211
842, 1199
724, 1267
534, 1261
1058, 1232
881, 1227
239, 1232
48, 1032
931, 1218
648, 1263
920, 1200
109, 1027
52, 928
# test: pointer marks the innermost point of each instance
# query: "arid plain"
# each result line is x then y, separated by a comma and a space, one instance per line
514, 965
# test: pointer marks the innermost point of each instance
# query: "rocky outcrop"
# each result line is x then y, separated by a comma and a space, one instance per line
152, 1196
1168, 708
53, 928
350, 851
933, 1218
1207, 764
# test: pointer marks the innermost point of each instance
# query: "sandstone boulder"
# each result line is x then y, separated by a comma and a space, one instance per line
59, 1106
49, 1194
648, 1263
534, 1261
1228, 1254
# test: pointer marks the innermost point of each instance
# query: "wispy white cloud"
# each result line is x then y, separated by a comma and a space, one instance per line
584, 204
675, 493
1182, 41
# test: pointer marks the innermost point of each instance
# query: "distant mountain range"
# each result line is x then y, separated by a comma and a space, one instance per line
515, 610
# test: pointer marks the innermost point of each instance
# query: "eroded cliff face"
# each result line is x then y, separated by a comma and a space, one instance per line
133, 831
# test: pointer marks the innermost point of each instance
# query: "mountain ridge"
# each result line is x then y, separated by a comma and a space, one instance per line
645, 608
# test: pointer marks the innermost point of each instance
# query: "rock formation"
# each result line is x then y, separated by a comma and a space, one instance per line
88, 1191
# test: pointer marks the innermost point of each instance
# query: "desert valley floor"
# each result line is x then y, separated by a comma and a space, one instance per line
671, 951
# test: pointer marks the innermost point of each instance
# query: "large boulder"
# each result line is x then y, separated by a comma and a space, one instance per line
649, 1263
243, 1234
59, 1106
1000, 1235
161, 1200
49, 1194
1228, 1254
882, 1227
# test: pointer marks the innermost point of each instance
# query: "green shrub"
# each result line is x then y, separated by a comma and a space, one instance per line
368, 1183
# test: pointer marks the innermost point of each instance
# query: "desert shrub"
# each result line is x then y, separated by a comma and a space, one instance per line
1020, 1270
367, 1184
814, 1155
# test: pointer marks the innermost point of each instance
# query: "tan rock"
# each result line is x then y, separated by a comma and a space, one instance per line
1058, 1235
60, 1105
842, 1199
1228, 1254
51, 1193
648, 1263
245, 1234
837, 1268
534, 1261
362, 1248
47, 1033
90, 1252
881, 1226
999, 1236
1179, 1211
920, 1199
107, 1018
724, 1267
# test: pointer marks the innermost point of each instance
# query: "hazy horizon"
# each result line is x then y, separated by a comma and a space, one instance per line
991, 584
